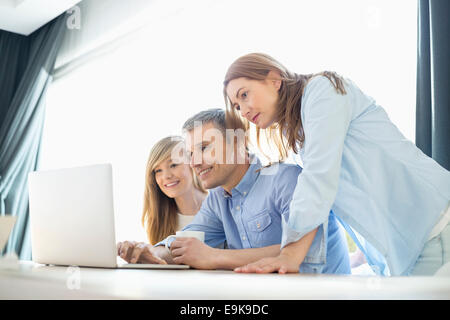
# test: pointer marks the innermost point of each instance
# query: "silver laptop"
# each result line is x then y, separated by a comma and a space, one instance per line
72, 218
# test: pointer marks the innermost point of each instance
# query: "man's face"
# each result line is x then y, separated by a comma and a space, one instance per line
207, 146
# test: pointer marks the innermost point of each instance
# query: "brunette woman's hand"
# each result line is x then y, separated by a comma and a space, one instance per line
281, 264
288, 261
137, 252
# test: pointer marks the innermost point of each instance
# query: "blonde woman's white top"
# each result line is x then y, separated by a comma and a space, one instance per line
184, 220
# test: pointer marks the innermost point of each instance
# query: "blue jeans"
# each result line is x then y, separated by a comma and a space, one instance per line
435, 253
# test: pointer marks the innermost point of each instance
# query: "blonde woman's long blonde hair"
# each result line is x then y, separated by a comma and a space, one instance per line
159, 214
256, 66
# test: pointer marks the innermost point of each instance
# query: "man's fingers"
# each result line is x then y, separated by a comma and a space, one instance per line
120, 248
177, 252
152, 259
123, 249
178, 260
127, 249
136, 253
178, 243
148, 257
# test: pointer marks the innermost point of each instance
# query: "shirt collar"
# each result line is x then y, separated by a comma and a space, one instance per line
249, 178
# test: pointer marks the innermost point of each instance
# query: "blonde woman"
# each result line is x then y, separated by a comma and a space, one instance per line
172, 197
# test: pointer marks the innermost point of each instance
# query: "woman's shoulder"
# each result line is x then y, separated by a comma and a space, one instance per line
320, 87
320, 93
318, 83
317, 78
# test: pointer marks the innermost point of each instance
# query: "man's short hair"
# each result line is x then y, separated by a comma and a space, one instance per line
215, 115
228, 124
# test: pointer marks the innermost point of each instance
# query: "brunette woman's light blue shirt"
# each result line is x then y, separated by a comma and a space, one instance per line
386, 192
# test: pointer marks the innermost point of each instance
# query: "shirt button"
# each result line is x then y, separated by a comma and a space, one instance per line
244, 238
238, 208
245, 192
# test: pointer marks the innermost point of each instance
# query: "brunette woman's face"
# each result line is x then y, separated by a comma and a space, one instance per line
174, 179
256, 100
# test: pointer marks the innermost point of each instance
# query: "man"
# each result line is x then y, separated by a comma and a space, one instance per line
244, 208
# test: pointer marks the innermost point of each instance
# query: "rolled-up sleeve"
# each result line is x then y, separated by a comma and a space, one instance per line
326, 117
207, 221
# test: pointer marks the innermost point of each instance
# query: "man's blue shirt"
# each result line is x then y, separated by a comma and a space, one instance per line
251, 217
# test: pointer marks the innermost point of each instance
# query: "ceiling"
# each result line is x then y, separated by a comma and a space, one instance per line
26, 16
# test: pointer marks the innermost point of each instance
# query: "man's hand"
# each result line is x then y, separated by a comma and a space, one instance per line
137, 252
193, 252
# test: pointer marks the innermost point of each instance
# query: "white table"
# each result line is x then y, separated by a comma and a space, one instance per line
34, 281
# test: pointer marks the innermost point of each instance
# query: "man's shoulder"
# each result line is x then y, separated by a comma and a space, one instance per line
213, 201
290, 166
276, 170
215, 194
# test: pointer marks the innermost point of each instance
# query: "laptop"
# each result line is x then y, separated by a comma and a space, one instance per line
72, 219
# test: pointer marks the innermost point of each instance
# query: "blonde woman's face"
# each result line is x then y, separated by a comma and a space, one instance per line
255, 100
174, 179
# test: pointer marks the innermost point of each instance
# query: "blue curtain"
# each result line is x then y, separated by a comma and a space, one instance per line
26, 64
433, 79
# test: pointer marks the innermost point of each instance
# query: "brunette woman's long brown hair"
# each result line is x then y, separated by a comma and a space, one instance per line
159, 215
256, 66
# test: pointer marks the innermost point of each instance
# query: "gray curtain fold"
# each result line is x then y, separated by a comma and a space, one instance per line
433, 80
26, 65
